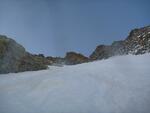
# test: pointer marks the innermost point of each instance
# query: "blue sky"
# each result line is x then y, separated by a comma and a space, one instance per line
53, 27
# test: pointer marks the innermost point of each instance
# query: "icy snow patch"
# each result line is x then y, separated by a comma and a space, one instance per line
117, 85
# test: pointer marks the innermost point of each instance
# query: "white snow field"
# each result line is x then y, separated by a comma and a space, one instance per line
118, 85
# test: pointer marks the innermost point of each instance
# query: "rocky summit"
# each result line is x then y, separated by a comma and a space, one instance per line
138, 42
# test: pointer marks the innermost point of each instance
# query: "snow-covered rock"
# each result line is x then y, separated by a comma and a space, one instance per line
117, 85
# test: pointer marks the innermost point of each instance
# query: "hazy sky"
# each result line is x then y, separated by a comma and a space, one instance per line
53, 27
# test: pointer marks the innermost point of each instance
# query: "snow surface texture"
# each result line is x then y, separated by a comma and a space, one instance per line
117, 85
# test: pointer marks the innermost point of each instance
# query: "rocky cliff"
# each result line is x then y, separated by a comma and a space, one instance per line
138, 42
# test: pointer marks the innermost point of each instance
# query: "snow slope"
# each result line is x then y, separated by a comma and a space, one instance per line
117, 85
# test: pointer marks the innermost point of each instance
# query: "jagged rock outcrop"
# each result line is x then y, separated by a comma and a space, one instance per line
101, 52
106, 51
31, 62
14, 58
73, 58
138, 42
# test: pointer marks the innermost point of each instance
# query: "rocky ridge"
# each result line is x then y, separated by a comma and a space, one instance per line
14, 57
138, 42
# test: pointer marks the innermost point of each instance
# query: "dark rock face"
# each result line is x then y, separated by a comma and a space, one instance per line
138, 42
14, 58
73, 58
106, 51
10, 53
101, 52
31, 63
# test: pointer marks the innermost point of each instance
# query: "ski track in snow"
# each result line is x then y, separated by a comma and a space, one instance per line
118, 85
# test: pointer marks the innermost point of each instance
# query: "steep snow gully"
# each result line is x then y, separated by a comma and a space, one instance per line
118, 85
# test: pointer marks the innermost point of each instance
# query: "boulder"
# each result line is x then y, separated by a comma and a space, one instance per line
73, 58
